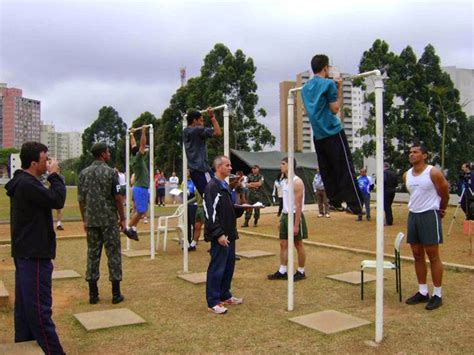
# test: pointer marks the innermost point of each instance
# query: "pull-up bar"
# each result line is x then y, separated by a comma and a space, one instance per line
185, 177
380, 191
151, 188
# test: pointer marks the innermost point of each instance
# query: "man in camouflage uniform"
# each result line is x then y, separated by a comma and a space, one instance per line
100, 201
254, 184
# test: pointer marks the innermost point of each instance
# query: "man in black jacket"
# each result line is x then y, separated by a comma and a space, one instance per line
390, 182
221, 231
34, 244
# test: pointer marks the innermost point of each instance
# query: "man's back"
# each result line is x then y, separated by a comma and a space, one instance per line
195, 145
96, 189
142, 177
317, 94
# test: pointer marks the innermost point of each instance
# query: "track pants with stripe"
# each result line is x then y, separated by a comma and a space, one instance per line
337, 171
33, 303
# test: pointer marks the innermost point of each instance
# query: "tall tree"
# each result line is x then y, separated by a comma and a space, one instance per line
224, 78
108, 127
420, 103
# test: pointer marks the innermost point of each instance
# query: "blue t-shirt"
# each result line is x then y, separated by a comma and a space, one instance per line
196, 148
317, 94
364, 184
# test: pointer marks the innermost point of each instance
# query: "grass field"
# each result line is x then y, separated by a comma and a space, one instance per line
177, 317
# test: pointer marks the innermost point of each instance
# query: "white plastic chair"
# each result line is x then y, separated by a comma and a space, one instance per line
396, 265
164, 226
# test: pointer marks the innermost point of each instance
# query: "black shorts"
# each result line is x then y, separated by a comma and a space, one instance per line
303, 230
424, 228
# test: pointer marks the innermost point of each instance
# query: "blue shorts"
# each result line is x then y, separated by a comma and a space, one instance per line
141, 197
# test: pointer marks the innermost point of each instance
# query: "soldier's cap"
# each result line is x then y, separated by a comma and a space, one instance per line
98, 146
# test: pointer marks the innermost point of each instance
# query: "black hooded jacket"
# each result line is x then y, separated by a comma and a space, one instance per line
31, 217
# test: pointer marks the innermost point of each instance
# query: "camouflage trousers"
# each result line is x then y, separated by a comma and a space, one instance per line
109, 237
253, 198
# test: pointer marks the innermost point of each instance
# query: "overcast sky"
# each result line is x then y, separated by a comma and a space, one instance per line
77, 56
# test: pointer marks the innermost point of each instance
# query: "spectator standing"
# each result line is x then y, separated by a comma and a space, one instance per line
160, 184
278, 192
173, 184
255, 186
364, 187
321, 197
390, 183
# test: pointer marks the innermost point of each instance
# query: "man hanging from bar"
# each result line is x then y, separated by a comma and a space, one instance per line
323, 100
195, 136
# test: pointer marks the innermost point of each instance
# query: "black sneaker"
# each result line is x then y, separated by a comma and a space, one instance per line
59, 228
192, 248
130, 233
278, 276
245, 225
417, 298
359, 219
299, 276
434, 303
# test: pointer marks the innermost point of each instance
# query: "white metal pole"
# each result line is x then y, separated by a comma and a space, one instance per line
127, 175
226, 132
380, 211
291, 242
152, 191
185, 204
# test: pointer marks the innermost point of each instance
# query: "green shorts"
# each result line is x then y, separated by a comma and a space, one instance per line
200, 214
424, 228
302, 233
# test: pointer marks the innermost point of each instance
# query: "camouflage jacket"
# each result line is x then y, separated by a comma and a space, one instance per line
255, 178
96, 190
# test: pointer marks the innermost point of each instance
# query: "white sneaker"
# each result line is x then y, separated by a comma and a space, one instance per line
320, 215
233, 300
218, 309
327, 215
145, 220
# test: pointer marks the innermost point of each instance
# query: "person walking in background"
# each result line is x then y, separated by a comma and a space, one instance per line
33, 244
364, 187
102, 211
160, 184
322, 100
321, 197
255, 186
390, 183
429, 197
278, 192
221, 231
173, 184
195, 136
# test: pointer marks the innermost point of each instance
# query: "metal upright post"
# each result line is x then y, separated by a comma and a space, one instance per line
127, 175
152, 191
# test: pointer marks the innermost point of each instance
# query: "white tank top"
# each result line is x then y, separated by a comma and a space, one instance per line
284, 184
423, 194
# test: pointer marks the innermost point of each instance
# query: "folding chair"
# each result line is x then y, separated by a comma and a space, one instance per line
163, 225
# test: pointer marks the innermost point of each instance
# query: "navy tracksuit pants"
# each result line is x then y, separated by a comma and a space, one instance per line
220, 273
33, 303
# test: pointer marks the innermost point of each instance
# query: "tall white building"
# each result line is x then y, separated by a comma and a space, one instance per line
359, 117
61, 145
463, 80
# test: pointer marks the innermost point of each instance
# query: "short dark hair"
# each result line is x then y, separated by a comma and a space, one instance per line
135, 150
192, 115
422, 147
98, 152
285, 159
318, 62
30, 152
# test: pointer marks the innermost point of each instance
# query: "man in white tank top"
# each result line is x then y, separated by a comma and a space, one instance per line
300, 230
429, 197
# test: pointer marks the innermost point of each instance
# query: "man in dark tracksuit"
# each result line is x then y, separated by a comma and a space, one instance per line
221, 231
322, 101
34, 245
390, 183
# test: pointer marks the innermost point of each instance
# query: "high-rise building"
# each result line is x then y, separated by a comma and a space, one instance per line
19, 118
61, 145
463, 80
303, 133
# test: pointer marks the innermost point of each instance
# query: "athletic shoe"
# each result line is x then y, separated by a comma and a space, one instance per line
368, 219
359, 218
299, 276
434, 303
59, 228
145, 220
233, 300
245, 225
192, 248
218, 309
278, 276
417, 298
130, 233
328, 215
237, 257
320, 215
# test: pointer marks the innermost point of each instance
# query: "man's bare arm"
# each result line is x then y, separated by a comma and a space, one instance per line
442, 188
336, 105
143, 140
215, 124
299, 190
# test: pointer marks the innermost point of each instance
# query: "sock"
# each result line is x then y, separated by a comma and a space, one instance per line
59, 223
437, 291
301, 269
423, 289
193, 243
282, 269
134, 228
